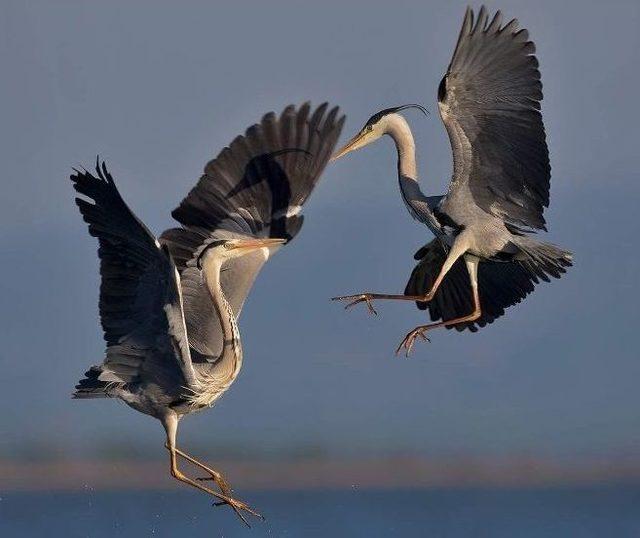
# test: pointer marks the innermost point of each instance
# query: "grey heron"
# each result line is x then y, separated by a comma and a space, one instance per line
169, 306
483, 258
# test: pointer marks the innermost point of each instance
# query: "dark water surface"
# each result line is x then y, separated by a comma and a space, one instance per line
561, 512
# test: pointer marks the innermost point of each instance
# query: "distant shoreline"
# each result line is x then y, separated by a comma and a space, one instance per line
371, 473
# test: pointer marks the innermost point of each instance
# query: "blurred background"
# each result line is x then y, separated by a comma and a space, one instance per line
546, 397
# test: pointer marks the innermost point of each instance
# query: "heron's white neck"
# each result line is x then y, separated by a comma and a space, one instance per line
217, 380
398, 129
417, 203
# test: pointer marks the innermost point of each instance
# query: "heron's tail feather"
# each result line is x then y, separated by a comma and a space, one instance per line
91, 386
543, 260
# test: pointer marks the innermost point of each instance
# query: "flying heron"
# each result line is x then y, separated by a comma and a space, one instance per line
169, 307
483, 258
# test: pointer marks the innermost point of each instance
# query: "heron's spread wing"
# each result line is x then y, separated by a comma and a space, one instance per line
489, 101
140, 300
256, 187
500, 285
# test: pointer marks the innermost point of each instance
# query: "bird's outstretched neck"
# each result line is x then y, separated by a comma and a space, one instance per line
419, 205
213, 382
398, 129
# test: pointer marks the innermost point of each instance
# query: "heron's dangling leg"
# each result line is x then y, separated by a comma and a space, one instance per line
472, 267
217, 477
459, 247
214, 475
170, 424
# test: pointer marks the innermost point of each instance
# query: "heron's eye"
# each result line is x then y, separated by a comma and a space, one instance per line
369, 127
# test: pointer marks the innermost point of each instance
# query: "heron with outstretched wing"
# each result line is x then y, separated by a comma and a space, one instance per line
169, 306
483, 258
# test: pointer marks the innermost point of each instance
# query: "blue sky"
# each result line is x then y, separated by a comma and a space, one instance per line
158, 89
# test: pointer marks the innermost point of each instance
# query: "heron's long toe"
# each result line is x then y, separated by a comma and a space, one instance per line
238, 508
225, 489
357, 299
409, 340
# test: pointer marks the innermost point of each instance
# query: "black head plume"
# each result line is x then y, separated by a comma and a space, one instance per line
379, 115
213, 244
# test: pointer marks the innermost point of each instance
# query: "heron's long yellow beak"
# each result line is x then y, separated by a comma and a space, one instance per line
358, 141
255, 244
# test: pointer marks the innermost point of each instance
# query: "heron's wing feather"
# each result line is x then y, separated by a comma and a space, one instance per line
140, 301
489, 101
256, 187
500, 285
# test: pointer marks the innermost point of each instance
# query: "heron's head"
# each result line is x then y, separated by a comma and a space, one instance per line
377, 125
228, 249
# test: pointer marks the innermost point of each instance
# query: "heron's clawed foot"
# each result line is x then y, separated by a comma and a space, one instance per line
353, 300
238, 508
410, 339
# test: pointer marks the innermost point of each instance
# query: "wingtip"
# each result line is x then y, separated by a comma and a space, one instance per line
511, 27
288, 110
467, 23
303, 110
482, 20
322, 108
495, 23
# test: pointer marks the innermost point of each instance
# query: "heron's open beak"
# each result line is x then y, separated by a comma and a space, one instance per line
360, 140
255, 244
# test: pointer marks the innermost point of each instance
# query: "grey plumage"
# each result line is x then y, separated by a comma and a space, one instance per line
168, 307
491, 98
483, 259
255, 187
490, 104
140, 309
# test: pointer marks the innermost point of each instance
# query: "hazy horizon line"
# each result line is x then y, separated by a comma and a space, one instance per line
306, 474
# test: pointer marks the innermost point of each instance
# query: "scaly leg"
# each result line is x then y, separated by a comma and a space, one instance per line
217, 477
171, 426
472, 268
458, 249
